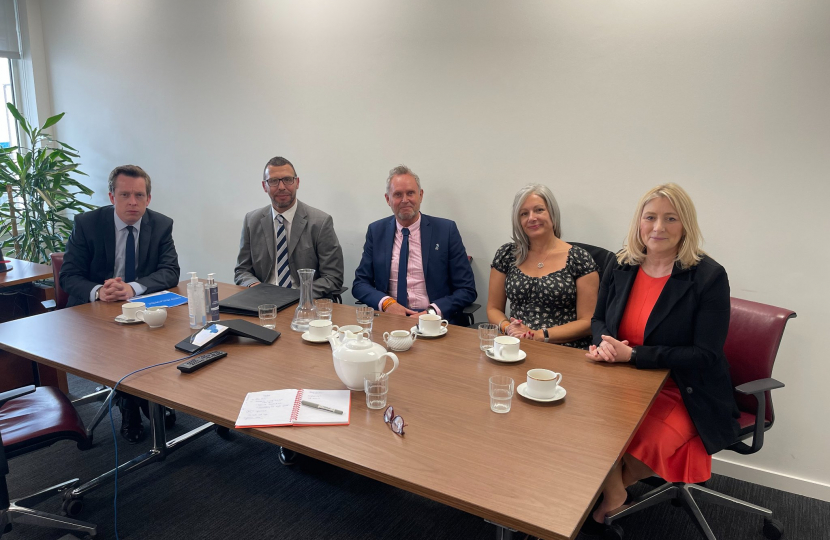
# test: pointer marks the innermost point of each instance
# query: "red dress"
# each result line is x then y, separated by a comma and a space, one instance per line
667, 440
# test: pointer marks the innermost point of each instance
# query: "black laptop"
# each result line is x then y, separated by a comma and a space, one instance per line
247, 302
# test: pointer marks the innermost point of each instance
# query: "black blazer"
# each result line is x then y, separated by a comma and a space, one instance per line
90, 254
684, 333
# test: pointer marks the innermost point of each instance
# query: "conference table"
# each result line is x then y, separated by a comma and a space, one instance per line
23, 272
537, 469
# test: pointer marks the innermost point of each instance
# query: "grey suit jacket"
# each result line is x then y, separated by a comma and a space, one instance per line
312, 244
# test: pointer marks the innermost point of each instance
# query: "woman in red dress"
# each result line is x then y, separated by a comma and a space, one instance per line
666, 305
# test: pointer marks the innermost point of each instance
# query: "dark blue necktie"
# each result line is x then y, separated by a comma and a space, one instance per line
129, 256
403, 298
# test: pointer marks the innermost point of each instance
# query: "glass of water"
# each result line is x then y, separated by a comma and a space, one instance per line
487, 332
501, 393
268, 316
365, 316
324, 308
376, 386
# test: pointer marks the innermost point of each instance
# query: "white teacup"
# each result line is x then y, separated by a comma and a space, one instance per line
321, 329
344, 331
506, 347
430, 324
130, 308
399, 340
542, 383
154, 316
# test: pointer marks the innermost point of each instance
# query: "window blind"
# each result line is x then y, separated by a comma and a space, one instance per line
9, 38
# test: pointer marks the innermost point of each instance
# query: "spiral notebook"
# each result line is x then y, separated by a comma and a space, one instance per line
275, 408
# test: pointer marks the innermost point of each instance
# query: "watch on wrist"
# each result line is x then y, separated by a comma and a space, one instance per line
431, 311
545, 331
633, 358
97, 293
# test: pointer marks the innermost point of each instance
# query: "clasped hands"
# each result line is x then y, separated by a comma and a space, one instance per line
398, 309
610, 350
115, 290
517, 329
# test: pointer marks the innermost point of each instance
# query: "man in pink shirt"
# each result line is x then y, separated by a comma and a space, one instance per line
413, 263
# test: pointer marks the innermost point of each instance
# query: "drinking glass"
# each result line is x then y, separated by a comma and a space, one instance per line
487, 332
376, 386
324, 308
501, 393
268, 316
365, 315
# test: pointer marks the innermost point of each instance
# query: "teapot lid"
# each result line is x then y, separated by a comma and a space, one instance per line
360, 343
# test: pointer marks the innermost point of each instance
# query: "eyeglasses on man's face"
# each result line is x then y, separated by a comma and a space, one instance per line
287, 181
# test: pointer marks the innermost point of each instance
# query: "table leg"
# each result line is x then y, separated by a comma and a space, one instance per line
502, 532
159, 451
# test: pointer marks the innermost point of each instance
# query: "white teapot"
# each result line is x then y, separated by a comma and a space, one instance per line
357, 357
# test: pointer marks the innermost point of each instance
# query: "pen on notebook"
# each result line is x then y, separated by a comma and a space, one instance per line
321, 407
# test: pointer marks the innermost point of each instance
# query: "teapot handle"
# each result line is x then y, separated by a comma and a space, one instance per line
394, 358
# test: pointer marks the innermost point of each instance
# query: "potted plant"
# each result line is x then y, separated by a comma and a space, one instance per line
39, 194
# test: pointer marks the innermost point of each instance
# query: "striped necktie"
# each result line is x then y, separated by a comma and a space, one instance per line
283, 273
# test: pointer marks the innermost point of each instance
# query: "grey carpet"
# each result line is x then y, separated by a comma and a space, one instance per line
218, 489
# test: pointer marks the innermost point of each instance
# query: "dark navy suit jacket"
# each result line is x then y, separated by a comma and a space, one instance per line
90, 254
447, 272
685, 333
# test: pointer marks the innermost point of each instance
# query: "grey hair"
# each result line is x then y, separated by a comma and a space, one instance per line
520, 239
399, 170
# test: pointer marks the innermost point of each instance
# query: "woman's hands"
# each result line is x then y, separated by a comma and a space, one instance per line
610, 350
517, 329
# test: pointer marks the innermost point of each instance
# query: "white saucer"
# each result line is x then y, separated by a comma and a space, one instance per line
560, 393
307, 337
417, 330
123, 320
490, 354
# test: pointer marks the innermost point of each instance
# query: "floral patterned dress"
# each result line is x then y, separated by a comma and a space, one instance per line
550, 300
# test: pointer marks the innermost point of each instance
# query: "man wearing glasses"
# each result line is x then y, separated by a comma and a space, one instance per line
288, 235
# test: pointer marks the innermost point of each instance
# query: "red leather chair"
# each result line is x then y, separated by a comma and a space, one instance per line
32, 418
102, 393
755, 332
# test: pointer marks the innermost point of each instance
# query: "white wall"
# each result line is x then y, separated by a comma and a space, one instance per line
600, 100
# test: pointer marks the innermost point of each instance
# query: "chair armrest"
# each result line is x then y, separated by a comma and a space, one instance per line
756, 387
16, 393
469, 310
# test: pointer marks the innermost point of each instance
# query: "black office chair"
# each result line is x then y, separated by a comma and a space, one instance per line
602, 257
755, 332
32, 418
337, 296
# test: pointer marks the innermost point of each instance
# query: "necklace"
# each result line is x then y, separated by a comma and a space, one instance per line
542, 264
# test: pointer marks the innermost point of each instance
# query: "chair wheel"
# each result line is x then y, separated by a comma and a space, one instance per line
224, 432
72, 507
613, 532
773, 529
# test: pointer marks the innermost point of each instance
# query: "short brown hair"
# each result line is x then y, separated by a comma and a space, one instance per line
133, 171
276, 162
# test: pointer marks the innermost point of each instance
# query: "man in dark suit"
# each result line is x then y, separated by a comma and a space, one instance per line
117, 252
288, 235
413, 263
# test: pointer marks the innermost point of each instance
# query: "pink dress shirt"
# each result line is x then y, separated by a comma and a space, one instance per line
416, 285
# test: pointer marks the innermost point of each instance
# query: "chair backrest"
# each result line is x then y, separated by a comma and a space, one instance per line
755, 332
601, 256
61, 298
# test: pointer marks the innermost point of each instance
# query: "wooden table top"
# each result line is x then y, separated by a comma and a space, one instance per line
23, 272
537, 469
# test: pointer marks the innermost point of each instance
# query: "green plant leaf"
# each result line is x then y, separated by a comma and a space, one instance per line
52, 121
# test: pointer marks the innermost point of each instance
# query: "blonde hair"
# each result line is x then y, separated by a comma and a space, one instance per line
520, 238
689, 251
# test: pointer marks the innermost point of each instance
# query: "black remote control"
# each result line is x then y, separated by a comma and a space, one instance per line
200, 361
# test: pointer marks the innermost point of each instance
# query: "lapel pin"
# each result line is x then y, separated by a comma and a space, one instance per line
436, 247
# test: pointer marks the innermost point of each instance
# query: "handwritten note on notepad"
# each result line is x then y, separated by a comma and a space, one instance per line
274, 408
